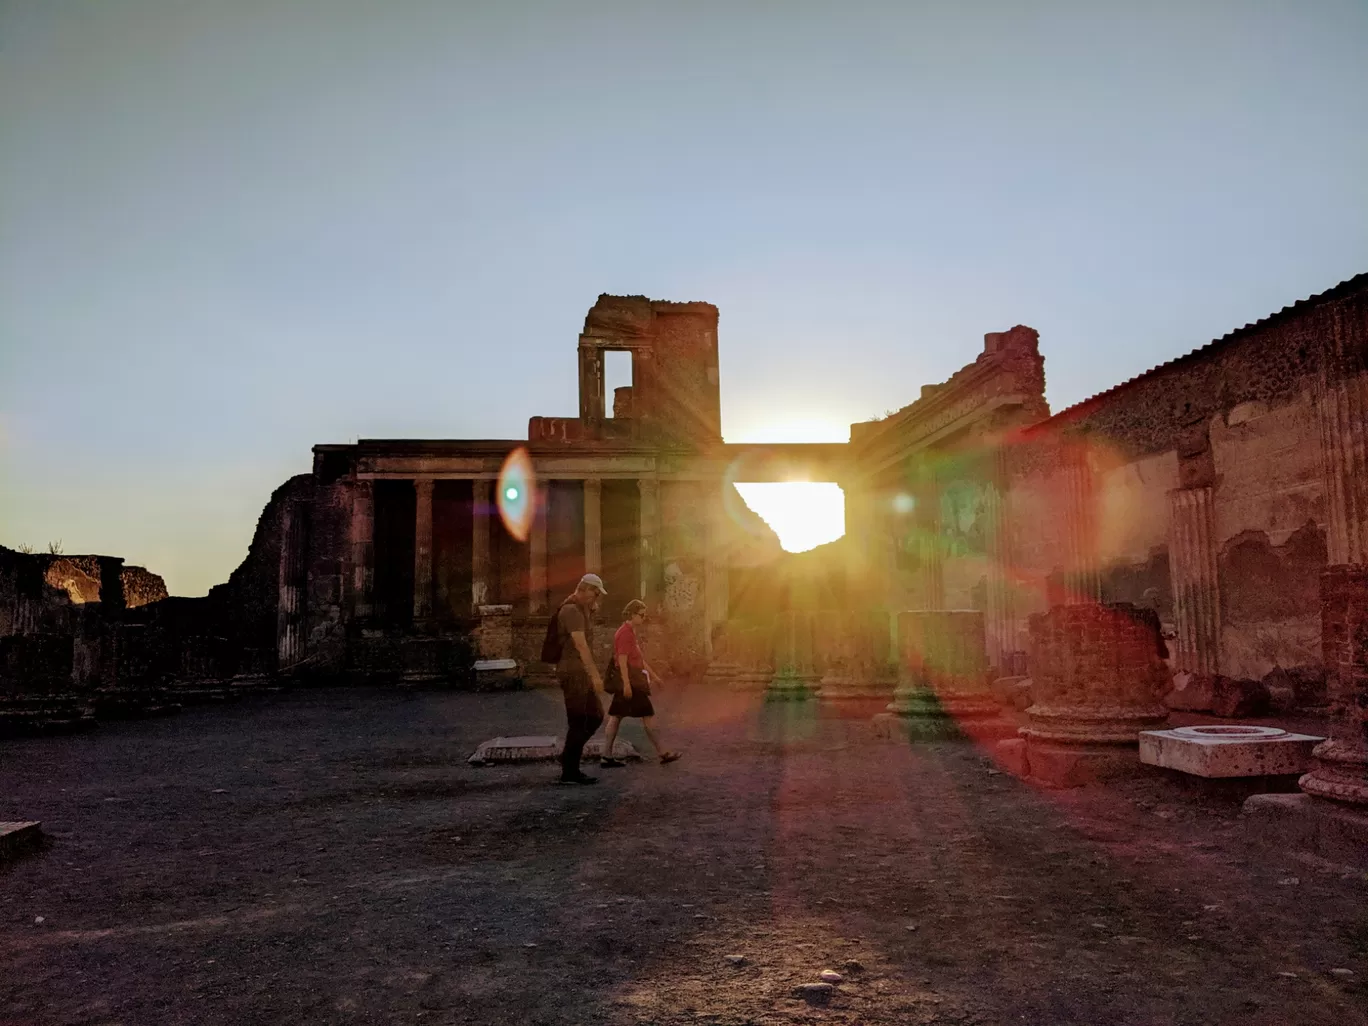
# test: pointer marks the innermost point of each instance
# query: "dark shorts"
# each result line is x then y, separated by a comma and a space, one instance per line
638, 705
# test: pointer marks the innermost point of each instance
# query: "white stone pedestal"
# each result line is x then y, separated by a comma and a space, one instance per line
1228, 751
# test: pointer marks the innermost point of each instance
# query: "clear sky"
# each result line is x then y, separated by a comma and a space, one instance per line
230, 229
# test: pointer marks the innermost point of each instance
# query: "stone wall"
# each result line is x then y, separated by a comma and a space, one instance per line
1204, 492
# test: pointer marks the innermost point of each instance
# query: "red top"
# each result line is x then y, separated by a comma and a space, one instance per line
625, 643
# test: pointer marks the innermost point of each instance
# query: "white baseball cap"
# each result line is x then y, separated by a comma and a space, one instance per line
595, 581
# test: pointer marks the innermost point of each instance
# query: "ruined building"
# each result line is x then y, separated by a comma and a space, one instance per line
1213, 490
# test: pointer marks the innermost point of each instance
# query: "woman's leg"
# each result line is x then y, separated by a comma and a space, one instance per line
610, 733
651, 734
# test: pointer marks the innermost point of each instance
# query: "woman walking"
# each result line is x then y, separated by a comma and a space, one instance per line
632, 695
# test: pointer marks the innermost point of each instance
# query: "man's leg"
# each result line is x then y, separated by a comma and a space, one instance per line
579, 728
583, 714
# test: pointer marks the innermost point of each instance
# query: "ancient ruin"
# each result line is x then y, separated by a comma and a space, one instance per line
1205, 518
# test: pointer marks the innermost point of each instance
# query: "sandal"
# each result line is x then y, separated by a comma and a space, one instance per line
670, 757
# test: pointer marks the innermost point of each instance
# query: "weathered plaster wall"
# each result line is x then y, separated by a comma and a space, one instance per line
1270, 528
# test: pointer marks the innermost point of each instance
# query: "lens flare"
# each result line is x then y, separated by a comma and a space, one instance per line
516, 493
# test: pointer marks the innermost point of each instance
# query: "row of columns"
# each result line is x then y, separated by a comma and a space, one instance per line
363, 544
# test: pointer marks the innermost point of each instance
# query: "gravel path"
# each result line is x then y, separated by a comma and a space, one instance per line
327, 856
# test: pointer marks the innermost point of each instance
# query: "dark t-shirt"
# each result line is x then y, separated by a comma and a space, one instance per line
572, 618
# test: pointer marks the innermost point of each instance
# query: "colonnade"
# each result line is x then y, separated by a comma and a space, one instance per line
484, 511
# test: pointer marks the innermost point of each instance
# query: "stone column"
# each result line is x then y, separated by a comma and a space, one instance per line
1340, 764
1098, 680
536, 571
795, 676
932, 566
649, 534
482, 509
1342, 412
593, 525
292, 576
422, 550
1083, 583
942, 669
363, 548
1196, 585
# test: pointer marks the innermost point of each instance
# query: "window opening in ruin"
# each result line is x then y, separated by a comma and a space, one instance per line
617, 373
804, 514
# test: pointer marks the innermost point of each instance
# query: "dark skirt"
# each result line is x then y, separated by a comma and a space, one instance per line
638, 705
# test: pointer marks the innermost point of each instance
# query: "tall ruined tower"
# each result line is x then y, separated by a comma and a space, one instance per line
674, 399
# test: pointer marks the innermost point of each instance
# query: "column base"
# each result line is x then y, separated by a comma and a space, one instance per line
919, 716
722, 672
1105, 725
1059, 765
1339, 771
838, 688
1299, 822
752, 681
788, 686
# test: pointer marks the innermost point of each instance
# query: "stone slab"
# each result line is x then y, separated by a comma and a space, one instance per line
524, 748
1228, 750
17, 838
495, 664
1315, 826
542, 748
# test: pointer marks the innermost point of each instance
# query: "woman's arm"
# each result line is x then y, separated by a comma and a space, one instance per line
622, 672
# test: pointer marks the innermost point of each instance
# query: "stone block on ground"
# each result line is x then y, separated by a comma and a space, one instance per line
1011, 754
1228, 750
1012, 692
497, 674
17, 838
621, 750
1308, 685
1221, 696
1310, 825
522, 748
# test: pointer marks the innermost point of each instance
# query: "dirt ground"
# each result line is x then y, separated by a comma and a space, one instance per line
328, 857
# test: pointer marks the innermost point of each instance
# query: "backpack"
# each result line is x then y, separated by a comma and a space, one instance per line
552, 646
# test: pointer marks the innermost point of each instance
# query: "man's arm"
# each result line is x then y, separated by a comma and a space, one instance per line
587, 659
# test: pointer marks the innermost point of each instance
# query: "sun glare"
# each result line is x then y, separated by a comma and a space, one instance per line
804, 514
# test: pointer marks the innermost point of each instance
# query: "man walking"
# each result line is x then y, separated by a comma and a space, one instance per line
579, 677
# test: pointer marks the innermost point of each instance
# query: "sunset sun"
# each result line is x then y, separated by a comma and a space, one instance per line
804, 514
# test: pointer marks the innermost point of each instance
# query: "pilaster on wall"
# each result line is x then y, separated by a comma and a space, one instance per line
290, 607
1083, 584
1342, 411
931, 555
593, 525
536, 571
363, 548
1001, 624
422, 550
1196, 584
481, 510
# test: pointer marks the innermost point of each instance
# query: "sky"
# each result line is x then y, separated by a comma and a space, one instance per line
229, 231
